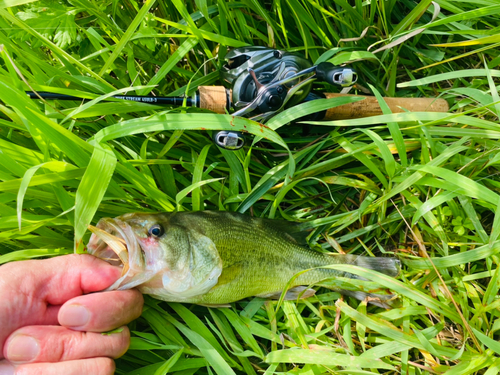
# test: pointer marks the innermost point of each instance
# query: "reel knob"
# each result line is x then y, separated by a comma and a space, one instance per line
229, 140
335, 75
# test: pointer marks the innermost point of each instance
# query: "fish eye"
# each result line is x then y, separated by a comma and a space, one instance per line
156, 230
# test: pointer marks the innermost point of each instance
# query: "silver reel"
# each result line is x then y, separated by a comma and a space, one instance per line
264, 81
260, 80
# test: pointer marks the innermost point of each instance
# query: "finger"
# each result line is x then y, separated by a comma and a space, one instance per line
94, 366
20, 310
59, 279
101, 312
58, 344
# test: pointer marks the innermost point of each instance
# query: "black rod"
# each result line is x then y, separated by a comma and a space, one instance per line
160, 100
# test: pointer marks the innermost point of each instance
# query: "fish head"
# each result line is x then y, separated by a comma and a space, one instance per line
163, 257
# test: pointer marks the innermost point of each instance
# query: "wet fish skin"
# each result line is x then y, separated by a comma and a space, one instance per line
215, 257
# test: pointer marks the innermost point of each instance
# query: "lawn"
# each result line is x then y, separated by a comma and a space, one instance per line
421, 186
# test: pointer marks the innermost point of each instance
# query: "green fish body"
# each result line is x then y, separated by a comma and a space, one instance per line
214, 258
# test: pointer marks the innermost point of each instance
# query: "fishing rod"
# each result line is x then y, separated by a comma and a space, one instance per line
261, 82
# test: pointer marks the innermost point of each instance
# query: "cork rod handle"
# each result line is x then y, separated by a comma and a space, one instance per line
215, 99
370, 106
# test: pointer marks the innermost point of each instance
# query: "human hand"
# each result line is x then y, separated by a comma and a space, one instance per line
49, 324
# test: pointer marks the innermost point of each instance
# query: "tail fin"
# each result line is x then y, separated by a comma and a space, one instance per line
388, 266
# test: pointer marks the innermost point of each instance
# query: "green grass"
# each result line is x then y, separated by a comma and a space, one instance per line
421, 186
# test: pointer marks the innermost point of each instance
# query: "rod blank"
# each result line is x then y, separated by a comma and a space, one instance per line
160, 100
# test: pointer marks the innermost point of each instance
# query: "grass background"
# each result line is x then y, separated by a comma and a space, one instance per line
421, 186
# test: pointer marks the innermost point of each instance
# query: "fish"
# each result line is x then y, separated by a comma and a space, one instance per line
214, 258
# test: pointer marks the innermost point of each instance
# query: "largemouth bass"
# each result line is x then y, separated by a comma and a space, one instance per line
214, 258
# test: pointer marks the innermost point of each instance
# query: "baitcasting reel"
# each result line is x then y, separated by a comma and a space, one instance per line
264, 81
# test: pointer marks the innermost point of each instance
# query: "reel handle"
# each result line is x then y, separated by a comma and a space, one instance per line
370, 107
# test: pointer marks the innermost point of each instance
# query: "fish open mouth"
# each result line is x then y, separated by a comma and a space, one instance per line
113, 242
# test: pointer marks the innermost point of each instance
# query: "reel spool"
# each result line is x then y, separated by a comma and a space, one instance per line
264, 81
250, 69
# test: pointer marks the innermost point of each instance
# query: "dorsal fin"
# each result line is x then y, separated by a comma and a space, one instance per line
291, 230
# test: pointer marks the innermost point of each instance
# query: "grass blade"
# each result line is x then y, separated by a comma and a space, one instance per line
128, 34
91, 190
